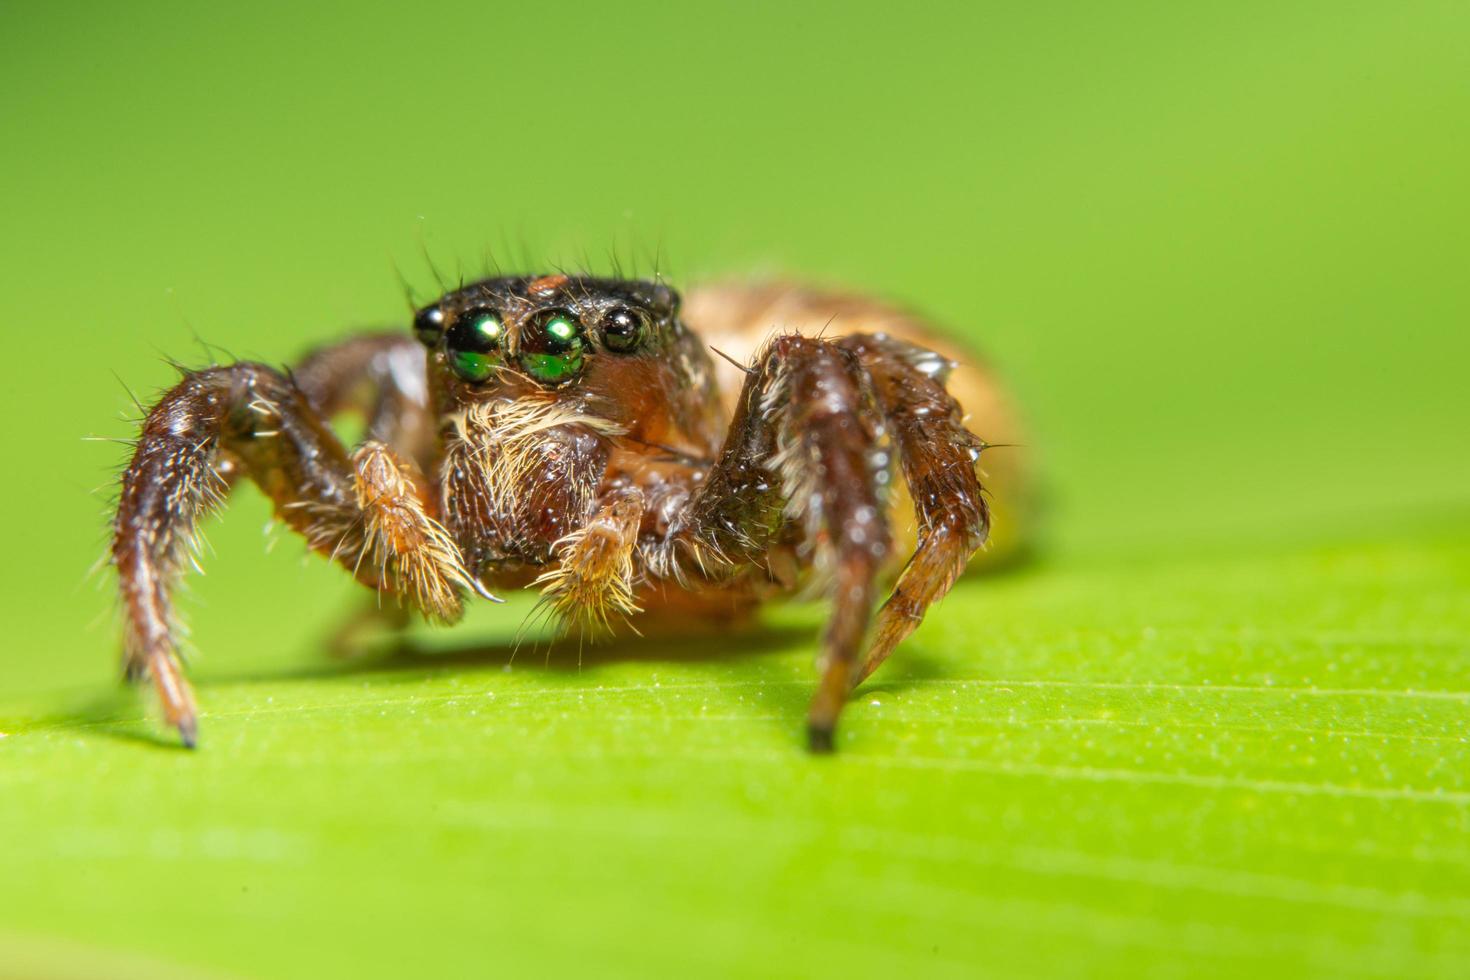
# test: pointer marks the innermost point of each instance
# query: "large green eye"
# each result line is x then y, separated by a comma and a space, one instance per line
553, 345
472, 345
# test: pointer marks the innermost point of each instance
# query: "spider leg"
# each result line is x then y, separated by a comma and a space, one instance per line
379, 375
803, 452
382, 377
366, 511
938, 456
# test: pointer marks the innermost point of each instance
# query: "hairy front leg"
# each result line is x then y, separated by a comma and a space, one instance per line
381, 377
803, 456
939, 457
248, 419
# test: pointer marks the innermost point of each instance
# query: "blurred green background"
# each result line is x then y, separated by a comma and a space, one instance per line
1217, 727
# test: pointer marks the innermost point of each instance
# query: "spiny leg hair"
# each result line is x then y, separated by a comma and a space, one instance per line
248, 418
803, 452
938, 456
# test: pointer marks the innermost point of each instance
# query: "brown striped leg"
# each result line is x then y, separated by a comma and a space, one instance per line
802, 453
380, 376
938, 456
248, 418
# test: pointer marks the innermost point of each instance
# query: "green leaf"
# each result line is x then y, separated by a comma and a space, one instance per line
1253, 764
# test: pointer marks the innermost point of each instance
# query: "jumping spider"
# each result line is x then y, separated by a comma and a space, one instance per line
575, 434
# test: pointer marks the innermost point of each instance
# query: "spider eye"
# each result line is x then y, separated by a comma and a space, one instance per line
624, 330
428, 323
552, 346
472, 345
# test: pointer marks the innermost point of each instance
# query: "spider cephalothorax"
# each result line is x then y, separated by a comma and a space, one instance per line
539, 383
577, 435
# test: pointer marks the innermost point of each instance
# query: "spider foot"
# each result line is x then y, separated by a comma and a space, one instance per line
820, 738
188, 732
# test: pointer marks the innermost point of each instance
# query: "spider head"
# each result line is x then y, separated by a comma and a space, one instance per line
540, 381
552, 333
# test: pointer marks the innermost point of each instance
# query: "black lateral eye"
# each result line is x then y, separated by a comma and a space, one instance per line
665, 300
624, 330
472, 345
428, 324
